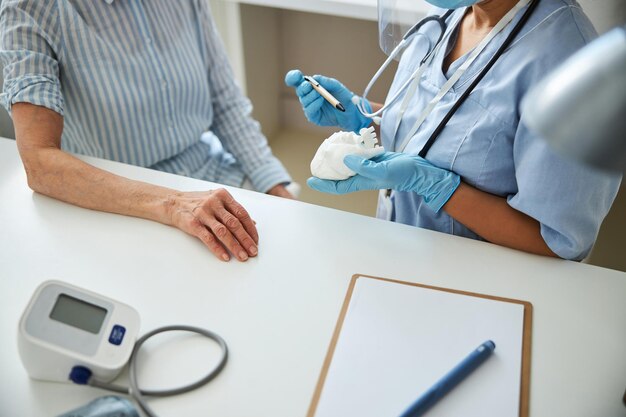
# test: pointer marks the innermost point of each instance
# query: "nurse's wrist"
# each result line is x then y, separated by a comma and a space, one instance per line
455, 201
442, 197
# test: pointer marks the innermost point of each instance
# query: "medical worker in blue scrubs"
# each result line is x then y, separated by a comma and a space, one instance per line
484, 175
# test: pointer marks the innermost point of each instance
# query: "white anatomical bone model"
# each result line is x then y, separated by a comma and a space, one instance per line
328, 163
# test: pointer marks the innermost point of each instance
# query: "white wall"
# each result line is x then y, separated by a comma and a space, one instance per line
609, 249
605, 14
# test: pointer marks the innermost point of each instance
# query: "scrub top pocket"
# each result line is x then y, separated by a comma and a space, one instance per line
478, 146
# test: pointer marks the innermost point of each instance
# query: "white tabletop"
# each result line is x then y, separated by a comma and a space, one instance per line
278, 311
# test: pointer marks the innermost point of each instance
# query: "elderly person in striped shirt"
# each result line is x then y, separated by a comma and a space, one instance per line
140, 82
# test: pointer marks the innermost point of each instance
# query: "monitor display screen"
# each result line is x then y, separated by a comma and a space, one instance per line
78, 313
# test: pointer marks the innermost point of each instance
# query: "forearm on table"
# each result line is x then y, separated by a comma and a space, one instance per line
55, 173
494, 220
65, 177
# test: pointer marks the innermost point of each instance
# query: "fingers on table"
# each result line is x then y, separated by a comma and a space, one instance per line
244, 217
226, 237
236, 228
199, 230
228, 226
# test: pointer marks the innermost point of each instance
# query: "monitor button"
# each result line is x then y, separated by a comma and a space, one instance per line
117, 335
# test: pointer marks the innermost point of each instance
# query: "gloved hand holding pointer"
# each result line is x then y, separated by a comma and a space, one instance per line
319, 111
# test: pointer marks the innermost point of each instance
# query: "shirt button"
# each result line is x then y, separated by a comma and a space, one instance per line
164, 85
148, 40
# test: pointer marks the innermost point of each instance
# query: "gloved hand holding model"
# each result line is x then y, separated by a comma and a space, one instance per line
319, 111
397, 171
451, 102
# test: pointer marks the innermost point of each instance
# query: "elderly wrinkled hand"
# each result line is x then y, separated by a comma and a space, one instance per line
220, 222
320, 112
396, 171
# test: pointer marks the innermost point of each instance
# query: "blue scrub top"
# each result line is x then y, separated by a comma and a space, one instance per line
487, 143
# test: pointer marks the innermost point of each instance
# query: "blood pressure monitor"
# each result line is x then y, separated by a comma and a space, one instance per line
68, 333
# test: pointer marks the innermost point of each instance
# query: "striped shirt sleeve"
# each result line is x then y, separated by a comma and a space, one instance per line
27, 53
232, 123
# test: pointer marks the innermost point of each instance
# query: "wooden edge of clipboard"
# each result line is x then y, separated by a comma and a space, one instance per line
526, 339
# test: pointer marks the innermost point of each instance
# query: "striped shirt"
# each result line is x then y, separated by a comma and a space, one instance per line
145, 82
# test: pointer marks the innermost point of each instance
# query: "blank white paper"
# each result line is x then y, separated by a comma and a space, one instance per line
397, 340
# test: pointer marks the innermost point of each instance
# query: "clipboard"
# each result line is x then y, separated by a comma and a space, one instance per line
523, 310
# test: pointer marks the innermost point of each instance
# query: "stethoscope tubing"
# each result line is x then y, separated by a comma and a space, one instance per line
359, 102
507, 42
411, 32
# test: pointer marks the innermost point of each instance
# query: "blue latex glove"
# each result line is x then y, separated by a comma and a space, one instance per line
396, 171
320, 112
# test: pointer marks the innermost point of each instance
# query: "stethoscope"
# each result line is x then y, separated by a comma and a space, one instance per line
441, 21
443, 26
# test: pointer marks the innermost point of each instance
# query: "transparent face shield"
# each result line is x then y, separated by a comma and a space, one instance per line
395, 18
398, 22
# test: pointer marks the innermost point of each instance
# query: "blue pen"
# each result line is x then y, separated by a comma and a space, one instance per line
450, 380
